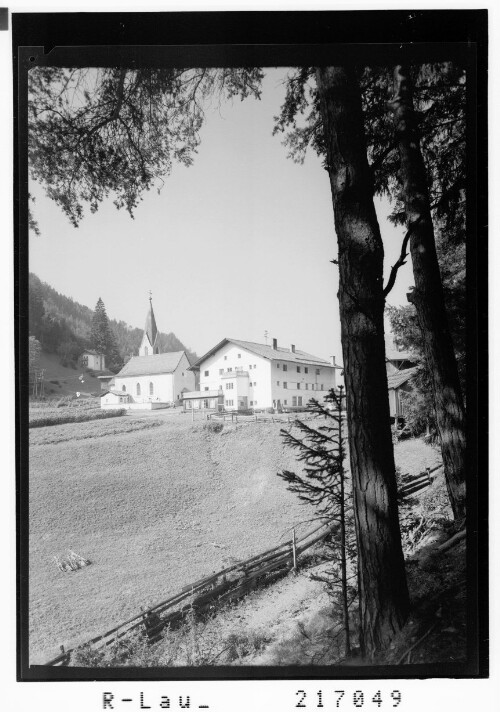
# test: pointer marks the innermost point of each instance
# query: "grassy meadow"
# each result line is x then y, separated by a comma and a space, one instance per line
155, 502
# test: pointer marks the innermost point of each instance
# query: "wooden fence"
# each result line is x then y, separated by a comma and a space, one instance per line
414, 483
263, 417
225, 586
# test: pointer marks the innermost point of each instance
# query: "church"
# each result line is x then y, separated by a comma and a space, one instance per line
152, 379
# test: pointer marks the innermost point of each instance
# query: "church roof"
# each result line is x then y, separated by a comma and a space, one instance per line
151, 365
150, 328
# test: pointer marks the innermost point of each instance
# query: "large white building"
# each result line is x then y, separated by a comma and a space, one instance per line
152, 379
248, 375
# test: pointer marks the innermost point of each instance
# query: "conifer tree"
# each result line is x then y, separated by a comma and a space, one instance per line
99, 334
102, 338
322, 484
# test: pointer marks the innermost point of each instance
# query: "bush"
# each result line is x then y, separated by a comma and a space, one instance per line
73, 417
213, 426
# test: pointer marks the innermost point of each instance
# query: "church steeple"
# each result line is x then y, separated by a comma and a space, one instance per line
149, 346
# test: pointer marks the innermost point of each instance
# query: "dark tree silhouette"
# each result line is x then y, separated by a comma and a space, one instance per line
322, 483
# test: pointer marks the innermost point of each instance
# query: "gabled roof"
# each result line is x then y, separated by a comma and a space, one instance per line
279, 354
151, 365
150, 328
92, 352
397, 379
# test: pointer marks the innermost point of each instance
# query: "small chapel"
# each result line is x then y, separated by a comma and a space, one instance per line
152, 379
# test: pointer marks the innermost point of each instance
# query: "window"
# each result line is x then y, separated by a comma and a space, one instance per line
285, 402
250, 367
255, 365
225, 358
183, 374
294, 401
239, 355
322, 387
229, 386
221, 371
298, 386
206, 373
255, 402
255, 383
307, 386
285, 384
318, 371
285, 367
124, 388
138, 389
306, 370
151, 388
299, 400
229, 369
145, 351
206, 388
298, 369
277, 365
277, 383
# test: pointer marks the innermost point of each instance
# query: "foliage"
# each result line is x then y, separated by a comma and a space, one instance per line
75, 416
67, 320
322, 485
103, 339
213, 426
96, 132
34, 350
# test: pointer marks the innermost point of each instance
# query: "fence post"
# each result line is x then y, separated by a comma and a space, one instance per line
294, 551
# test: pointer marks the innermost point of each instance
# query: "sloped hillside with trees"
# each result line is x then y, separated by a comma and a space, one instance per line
64, 327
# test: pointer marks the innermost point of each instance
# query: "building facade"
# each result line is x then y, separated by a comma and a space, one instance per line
151, 380
258, 376
93, 360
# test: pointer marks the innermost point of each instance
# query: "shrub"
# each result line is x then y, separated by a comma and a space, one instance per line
213, 426
73, 417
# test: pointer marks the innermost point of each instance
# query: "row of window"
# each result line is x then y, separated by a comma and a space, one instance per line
138, 389
284, 366
298, 386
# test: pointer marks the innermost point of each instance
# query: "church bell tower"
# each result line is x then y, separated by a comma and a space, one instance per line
149, 344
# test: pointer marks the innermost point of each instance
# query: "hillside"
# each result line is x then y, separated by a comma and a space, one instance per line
62, 380
63, 326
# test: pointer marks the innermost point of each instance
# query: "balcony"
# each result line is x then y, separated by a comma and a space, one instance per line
234, 373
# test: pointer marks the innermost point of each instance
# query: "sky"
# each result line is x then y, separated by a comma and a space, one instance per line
236, 245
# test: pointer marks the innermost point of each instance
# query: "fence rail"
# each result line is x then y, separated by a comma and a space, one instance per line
414, 483
209, 591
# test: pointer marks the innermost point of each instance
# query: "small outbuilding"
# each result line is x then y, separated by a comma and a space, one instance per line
93, 360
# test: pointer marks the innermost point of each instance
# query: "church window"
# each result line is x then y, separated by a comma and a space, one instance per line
124, 388
206, 373
151, 388
145, 351
138, 389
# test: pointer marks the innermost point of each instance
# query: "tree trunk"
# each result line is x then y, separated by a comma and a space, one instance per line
343, 552
383, 593
428, 296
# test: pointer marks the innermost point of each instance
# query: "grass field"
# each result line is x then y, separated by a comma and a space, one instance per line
155, 503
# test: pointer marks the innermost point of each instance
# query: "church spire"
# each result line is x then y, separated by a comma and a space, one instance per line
150, 332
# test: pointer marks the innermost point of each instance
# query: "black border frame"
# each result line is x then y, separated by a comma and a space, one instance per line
269, 39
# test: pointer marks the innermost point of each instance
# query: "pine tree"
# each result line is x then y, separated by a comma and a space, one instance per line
323, 485
100, 332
